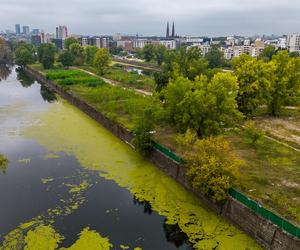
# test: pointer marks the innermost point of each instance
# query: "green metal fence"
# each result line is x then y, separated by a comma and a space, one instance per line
265, 213
168, 153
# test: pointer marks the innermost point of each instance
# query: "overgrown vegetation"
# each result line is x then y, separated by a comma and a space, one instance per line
142, 132
73, 77
210, 166
3, 164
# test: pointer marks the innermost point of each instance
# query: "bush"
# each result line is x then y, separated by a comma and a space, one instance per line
253, 134
210, 165
142, 132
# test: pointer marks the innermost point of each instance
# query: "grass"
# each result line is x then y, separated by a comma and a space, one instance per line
73, 77
269, 173
127, 79
121, 105
285, 127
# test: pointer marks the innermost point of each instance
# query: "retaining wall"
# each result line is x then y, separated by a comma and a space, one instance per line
263, 231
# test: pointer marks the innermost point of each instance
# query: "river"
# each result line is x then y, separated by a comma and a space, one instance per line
71, 184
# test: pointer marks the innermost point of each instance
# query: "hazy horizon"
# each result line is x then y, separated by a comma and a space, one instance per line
194, 17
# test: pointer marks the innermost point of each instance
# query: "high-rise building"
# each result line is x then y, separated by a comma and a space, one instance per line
18, 29
61, 32
293, 42
26, 30
35, 31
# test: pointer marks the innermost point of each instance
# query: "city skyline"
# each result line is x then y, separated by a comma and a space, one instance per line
195, 18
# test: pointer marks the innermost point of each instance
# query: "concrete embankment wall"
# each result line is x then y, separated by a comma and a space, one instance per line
263, 231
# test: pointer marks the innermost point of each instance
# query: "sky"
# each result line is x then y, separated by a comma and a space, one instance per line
149, 17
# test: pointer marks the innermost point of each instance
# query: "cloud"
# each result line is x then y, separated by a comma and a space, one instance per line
192, 17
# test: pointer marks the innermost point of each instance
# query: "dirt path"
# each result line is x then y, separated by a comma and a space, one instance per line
282, 143
115, 83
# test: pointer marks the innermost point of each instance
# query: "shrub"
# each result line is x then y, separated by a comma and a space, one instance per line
252, 133
142, 132
210, 165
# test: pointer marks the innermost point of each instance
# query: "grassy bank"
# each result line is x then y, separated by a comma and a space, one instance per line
127, 79
269, 172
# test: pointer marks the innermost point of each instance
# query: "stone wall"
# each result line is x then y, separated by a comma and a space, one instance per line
263, 231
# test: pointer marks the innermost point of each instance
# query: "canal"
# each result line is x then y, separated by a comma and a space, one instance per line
71, 184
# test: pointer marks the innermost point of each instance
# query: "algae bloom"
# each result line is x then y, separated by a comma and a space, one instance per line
96, 149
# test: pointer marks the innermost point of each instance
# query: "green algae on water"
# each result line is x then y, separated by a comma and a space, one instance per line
97, 149
46, 180
89, 239
25, 160
42, 237
52, 156
3, 164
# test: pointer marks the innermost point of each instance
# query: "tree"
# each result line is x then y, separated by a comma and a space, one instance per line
203, 106
215, 57
210, 165
160, 53
5, 52
69, 41
149, 52
142, 132
191, 62
254, 78
89, 54
24, 56
285, 80
102, 60
46, 53
161, 80
267, 53
77, 52
294, 54
66, 58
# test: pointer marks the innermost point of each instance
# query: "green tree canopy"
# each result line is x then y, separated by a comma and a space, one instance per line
142, 132
285, 80
149, 52
89, 54
77, 52
211, 167
254, 78
215, 57
46, 54
160, 54
102, 60
203, 106
24, 54
267, 53
66, 58
69, 41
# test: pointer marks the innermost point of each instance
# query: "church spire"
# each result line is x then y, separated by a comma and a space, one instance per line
168, 31
173, 30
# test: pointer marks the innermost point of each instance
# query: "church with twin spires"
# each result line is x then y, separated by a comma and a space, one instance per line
168, 36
